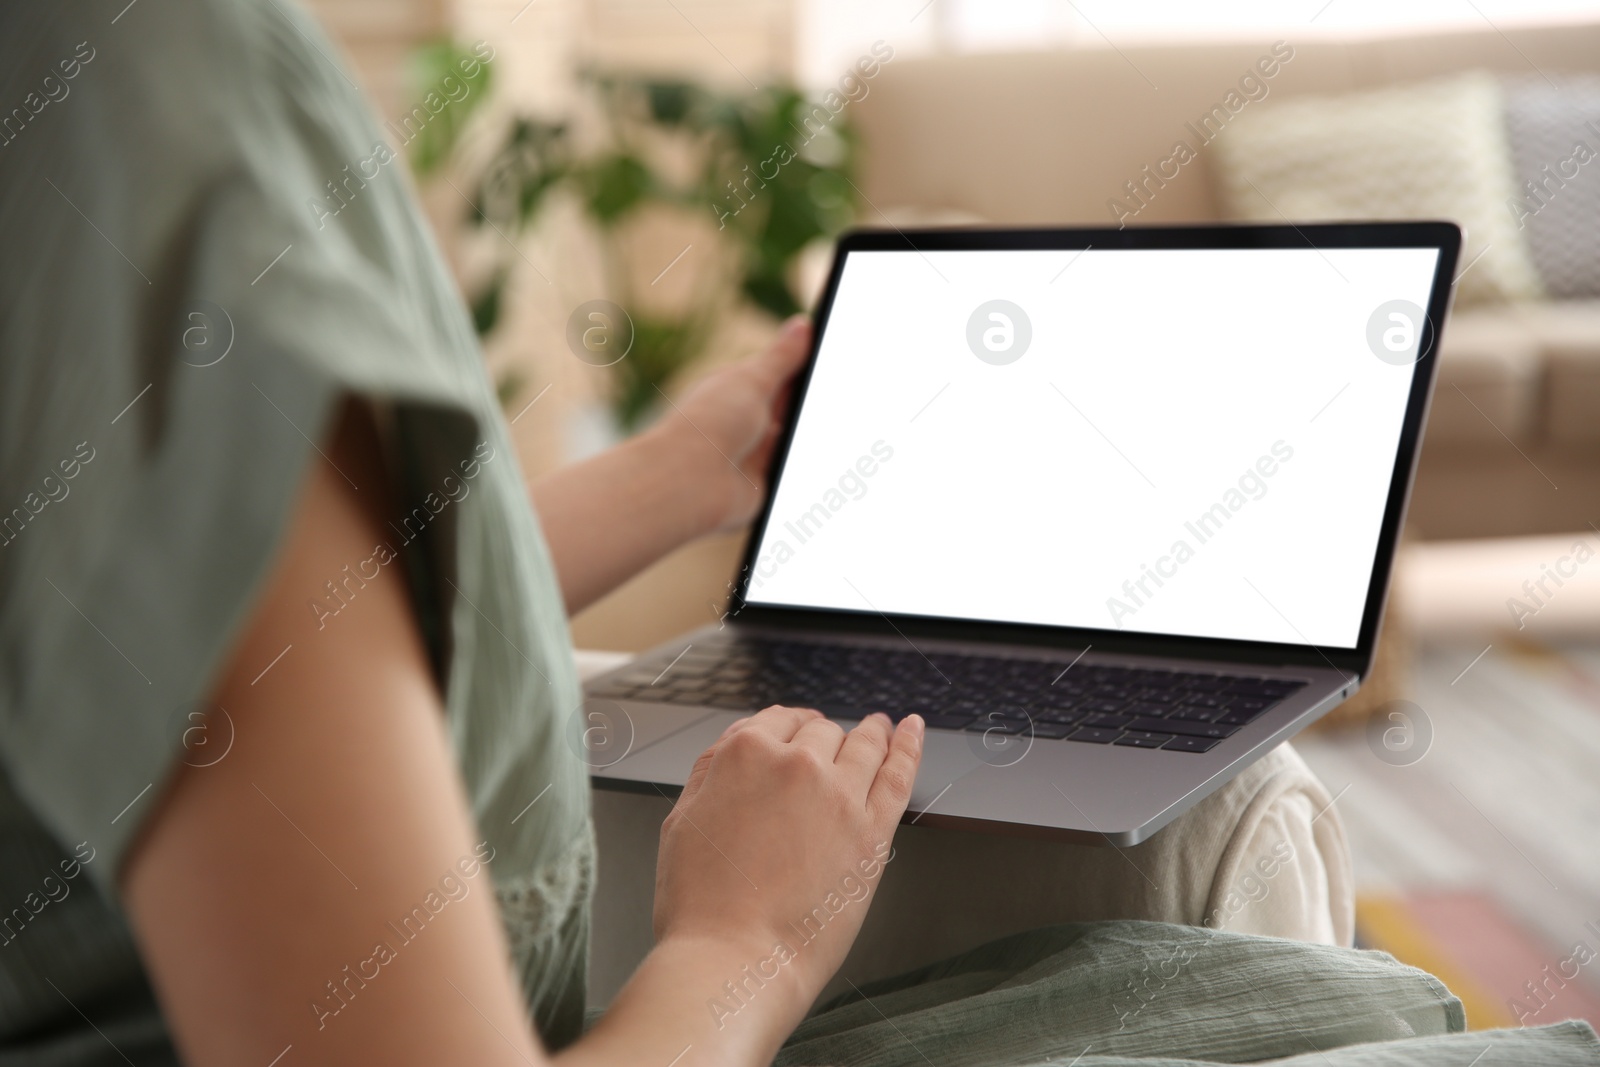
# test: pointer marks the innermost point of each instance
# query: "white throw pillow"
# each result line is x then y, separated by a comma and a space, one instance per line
1436, 149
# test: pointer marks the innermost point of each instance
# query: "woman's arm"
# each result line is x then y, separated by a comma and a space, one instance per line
702, 468
260, 879
261, 885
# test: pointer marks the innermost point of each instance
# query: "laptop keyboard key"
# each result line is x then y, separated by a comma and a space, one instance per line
1210, 683
1009, 712
1193, 714
1094, 736
1138, 739
1108, 722
1184, 727
1003, 726
1192, 744
1266, 688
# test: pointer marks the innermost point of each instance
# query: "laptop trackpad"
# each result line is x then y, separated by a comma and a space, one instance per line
644, 743
667, 740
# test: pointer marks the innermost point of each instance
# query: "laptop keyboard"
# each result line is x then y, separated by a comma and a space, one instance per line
1140, 707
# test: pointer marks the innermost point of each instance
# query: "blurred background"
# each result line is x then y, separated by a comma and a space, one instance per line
633, 190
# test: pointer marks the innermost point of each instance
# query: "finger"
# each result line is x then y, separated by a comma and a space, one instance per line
781, 401
760, 458
822, 736
864, 749
702, 766
891, 787
697, 774
782, 722
777, 365
734, 726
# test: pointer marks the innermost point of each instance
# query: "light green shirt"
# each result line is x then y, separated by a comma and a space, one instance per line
179, 314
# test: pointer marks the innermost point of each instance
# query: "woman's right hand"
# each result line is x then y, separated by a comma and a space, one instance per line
778, 842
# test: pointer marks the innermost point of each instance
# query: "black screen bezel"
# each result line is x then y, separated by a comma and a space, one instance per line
1443, 237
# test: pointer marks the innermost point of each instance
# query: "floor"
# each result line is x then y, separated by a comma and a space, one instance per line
1475, 826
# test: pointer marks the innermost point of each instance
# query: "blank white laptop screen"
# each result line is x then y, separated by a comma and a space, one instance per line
1183, 442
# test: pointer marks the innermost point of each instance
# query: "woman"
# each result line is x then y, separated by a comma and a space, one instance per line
319, 545
287, 669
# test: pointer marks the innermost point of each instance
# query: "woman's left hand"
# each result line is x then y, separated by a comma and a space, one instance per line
728, 422
701, 469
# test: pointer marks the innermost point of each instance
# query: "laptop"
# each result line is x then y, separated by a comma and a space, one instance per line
1113, 510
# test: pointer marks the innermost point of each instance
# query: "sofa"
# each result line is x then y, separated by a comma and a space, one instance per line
1051, 137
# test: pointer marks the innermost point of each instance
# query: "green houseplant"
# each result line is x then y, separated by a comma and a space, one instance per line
767, 171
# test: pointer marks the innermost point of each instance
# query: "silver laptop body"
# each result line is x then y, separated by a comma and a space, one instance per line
1018, 579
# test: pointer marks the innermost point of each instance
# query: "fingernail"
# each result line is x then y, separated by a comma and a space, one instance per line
794, 326
915, 724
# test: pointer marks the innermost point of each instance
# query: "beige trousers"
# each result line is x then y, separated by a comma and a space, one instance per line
1265, 854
